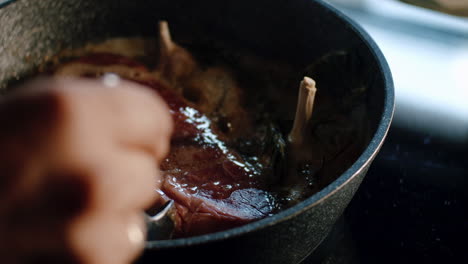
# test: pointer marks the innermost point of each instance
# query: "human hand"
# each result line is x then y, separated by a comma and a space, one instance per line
78, 164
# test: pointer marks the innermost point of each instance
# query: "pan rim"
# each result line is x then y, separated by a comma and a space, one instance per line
6, 2
352, 172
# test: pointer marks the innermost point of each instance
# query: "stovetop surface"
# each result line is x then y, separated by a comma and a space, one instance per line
412, 207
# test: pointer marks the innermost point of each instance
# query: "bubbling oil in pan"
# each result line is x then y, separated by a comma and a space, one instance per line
232, 160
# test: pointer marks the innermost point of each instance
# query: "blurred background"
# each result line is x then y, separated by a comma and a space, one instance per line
428, 54
413, 204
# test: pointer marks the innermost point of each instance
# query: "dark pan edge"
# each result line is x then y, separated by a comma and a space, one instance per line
361, 163
6, 2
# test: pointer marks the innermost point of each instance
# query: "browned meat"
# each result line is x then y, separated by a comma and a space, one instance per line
213, 186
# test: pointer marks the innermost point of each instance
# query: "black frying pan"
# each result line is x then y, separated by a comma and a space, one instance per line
295, 31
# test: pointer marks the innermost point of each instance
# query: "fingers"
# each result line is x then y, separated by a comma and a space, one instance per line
99, 237
144, 119
113, 136
127, 179
117, 133
132, 114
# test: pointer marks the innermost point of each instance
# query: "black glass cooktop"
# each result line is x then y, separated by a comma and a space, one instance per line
412, 207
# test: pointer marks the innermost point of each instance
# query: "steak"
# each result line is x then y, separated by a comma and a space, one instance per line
213, 186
